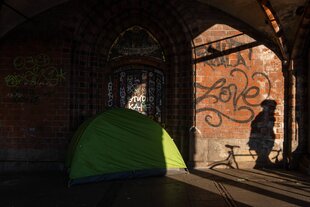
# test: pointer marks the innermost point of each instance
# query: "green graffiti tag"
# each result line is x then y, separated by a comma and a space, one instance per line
34, 71
22, 95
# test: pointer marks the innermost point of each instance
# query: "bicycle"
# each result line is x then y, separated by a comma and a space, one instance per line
229, 161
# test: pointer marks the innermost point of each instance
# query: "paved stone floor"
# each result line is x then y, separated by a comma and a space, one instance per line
217, 187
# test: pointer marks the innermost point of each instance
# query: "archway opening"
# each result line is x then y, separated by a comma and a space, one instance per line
137, 78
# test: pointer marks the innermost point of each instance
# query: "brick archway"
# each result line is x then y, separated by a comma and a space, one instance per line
98, 29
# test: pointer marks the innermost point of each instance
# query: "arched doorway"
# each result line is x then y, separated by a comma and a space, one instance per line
137, 78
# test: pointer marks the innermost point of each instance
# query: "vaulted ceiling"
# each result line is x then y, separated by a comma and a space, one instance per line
277, 19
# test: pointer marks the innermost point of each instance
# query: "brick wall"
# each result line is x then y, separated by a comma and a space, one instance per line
34, 98
54, 73
44, 103
239, 95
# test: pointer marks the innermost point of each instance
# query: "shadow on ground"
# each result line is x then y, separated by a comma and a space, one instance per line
199, 188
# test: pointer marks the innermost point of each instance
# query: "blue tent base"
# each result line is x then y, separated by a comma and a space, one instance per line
127, 175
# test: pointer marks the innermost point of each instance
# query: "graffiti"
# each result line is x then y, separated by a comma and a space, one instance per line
23, 96
34, 71
30, 132
159, 81
140, 90
30, 62
222, 59
138, 103
33, 78
27, 95
241, 99
151, 92
137, 51
110, 93
122, 90
44, 77
138, 100
136, 41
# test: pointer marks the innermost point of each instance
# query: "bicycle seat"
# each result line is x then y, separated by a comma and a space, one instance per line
232, 146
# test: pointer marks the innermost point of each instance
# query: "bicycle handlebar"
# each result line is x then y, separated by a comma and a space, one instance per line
231, 146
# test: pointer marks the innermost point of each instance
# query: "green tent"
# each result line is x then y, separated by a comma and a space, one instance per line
118, 144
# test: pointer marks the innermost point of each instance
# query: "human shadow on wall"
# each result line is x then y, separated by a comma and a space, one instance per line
262, 136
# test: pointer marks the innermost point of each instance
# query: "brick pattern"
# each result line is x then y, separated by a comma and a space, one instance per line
92, 46
234, 75
79, 44
34, 103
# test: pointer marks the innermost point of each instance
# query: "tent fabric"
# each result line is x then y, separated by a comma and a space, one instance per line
121, 143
